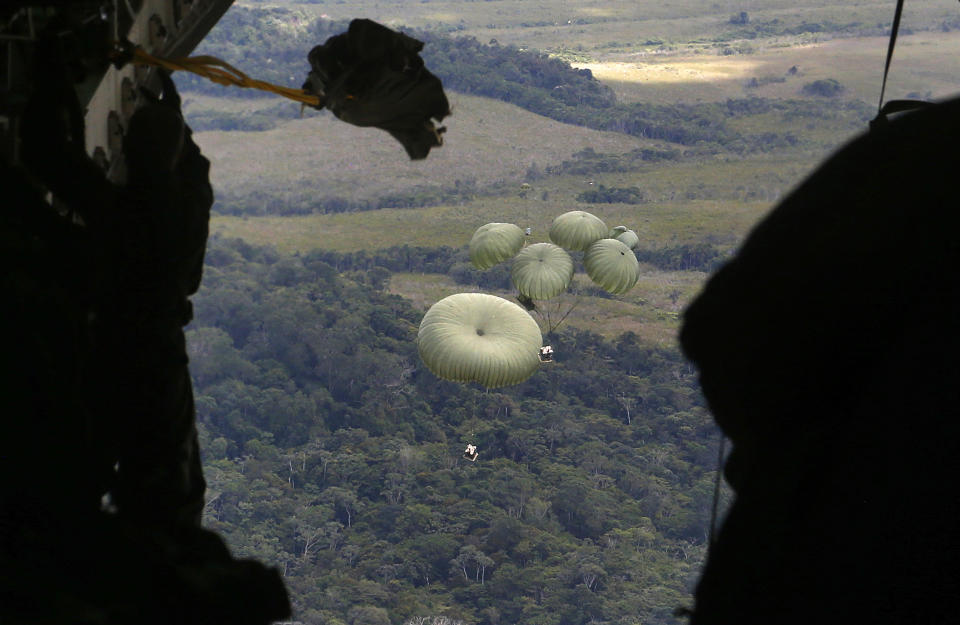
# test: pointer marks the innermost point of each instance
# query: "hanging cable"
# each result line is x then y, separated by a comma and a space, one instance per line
893, 106
894, 29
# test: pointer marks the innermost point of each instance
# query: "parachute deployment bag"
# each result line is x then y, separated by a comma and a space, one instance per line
374, 76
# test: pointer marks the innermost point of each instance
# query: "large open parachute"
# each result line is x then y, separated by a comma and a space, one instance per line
494, 243
541, 271
476, 337
576, 230
612, 265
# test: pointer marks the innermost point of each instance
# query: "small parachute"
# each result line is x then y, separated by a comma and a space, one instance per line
612, 265
626, 236
616, 231
476, 337
576, 230
494, 243
541, 271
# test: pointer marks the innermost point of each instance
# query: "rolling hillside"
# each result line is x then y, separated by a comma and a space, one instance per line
487, 144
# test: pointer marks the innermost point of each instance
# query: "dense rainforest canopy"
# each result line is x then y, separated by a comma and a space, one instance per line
334, 454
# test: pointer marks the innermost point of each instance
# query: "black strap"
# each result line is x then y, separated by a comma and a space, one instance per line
893, 41
893, 106
715, 508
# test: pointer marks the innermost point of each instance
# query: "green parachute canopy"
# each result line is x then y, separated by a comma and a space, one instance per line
576, 230
541, 271
612, 266
628, 238
475, 337
494, 243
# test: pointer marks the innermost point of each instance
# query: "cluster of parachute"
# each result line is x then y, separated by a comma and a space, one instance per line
477, 337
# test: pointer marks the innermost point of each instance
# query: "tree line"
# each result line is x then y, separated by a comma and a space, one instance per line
448, 260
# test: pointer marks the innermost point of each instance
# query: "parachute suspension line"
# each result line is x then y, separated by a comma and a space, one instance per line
714, 509
893, 41
211, 68
546, 317
893, 106
549, 319
563, 317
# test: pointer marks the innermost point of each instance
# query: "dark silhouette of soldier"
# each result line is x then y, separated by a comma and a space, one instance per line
96, 397
154, 243
829, 353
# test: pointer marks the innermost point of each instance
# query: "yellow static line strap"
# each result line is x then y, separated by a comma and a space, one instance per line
223, 73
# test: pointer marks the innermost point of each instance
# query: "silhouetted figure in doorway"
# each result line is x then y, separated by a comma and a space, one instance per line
96, 395
829, 352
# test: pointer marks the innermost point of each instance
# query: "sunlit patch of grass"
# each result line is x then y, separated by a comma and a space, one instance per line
657, 72
925, 61
599, 11
445, 17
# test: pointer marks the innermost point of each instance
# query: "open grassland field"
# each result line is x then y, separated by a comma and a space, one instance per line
712, 201
490, 146
685, 223
487, 142
720, 222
